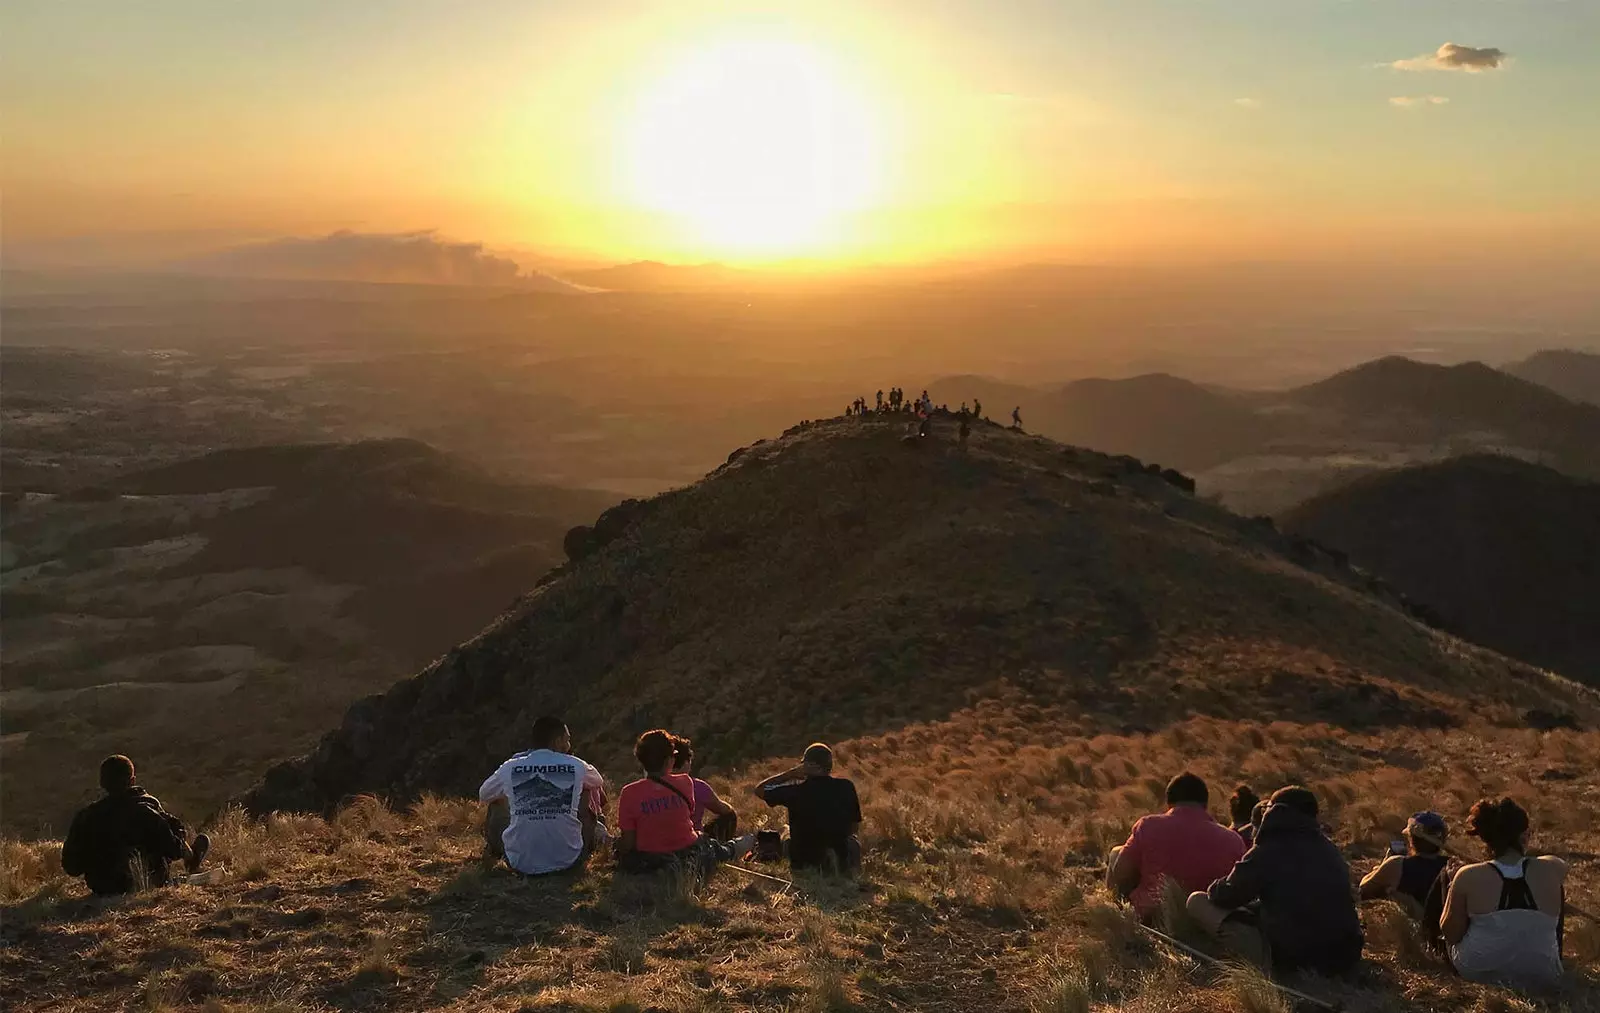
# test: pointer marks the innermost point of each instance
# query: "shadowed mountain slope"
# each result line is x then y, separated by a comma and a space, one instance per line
1507, 553
1403, 399
214, 615
841, 581
1572, 374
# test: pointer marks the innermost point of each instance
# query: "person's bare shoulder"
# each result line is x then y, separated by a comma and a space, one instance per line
1557, 866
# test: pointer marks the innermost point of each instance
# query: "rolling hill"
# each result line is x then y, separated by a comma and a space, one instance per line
210, 615
1572, 374
1505, 552
854, 584
1012, 649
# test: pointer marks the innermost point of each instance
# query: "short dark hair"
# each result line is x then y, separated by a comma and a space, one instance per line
1187, 787
654, 750
116, 772
1498, 823
547, 730
818, 754
682, 749
1297, 797
1241, 803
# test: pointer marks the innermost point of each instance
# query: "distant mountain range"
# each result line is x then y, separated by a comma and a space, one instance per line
1266, 451
1507, 553
1573, 375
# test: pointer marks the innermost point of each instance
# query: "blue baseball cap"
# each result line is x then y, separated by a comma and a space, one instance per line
1427, 826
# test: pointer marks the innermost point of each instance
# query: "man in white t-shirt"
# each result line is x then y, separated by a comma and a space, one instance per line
546, 806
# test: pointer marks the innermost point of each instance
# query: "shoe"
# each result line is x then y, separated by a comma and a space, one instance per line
197, 853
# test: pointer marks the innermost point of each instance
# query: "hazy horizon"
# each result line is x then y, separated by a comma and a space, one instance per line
817, 136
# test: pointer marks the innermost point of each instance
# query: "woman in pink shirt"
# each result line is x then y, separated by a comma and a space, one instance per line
706, 799
656, 816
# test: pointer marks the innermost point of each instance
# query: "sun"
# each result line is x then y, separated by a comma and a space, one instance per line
756, 148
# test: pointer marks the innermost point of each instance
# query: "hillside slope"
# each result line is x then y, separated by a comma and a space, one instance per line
1507, 553
1572, 374
840, 582
213, 615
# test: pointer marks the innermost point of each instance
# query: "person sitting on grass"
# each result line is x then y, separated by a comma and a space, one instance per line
1287, 905
726, 822
123, 841
1241, 811
656, 816
1503, 918
824, 812
546, 806
1183, 844
1414, 875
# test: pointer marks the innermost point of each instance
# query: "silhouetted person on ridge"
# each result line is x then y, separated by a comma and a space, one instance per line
1016, 417
824, 812
977, 409
880, 401
546, 806
124, 841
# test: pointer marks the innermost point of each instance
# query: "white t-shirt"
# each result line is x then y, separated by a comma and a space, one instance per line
544, 788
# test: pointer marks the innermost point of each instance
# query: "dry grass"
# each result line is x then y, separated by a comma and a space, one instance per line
982, 893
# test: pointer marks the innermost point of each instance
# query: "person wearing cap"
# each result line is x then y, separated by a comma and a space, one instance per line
1287, 904
824, 812
1415, 874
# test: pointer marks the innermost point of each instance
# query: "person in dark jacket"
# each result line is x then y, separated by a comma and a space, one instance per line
124, 841
1287, 904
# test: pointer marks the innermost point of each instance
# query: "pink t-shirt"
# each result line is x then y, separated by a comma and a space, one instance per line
703, 794
658, 816
1185, 844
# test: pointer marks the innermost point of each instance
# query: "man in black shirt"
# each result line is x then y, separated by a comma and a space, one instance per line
824, 812
125, 840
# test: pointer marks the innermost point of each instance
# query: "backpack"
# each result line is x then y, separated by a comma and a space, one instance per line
769, 846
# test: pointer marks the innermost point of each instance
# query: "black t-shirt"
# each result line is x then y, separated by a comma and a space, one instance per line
823, 812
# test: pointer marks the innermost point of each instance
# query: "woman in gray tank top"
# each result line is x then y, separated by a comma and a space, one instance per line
1502, 919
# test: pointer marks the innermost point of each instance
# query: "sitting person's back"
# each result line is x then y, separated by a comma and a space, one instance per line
824, 812
542, 805
1413, 876
124, 840
1295, 885
1183, 844
1503, 918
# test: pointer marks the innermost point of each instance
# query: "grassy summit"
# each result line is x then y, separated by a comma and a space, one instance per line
1012, 649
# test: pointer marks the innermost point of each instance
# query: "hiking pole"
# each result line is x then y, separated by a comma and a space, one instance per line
1210, 961
758, 875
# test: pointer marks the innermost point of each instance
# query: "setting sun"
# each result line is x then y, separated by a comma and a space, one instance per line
755, 148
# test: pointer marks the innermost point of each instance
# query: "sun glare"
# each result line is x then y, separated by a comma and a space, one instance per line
756, 148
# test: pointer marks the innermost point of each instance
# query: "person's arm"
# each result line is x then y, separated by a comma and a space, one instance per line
793, 774
1241, 885
714, 803
1453, 923
1123, 875
591, 777
74, 856
1383, 880
627, 842
156, 834
855, 811
492, 789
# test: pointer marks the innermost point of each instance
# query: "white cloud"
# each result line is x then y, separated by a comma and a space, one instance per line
1451, 56
1415, 101
1247, 103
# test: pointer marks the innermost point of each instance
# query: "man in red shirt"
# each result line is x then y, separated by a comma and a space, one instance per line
1183, 844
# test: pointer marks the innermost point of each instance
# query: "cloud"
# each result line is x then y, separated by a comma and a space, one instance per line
1453, 57
1415, 101
1247, 103
404, 257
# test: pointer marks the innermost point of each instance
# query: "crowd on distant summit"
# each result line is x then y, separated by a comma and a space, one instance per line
1272, 889
923, 411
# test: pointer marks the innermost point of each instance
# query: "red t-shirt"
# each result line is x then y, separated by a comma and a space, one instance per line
659, 818
1183, 843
